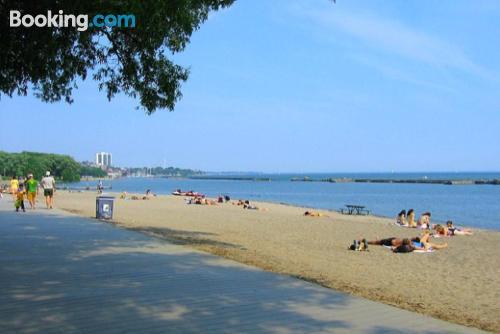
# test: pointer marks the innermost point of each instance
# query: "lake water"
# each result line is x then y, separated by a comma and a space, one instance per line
469, 205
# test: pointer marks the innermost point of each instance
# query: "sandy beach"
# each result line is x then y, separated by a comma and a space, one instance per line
460, 284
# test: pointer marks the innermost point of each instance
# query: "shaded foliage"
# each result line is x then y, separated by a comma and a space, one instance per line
129, 60
21, 164
92, 171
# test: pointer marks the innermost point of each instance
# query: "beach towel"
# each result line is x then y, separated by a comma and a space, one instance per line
430, 250
399, 225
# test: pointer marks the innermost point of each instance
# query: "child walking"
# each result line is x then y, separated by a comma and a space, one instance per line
20, 198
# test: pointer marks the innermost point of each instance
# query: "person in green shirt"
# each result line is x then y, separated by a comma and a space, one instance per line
32, 190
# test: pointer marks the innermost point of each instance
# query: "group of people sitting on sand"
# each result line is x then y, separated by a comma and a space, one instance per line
407, 219
148, 195
246, 205
203, 200
223, 199
420, 243
200, 200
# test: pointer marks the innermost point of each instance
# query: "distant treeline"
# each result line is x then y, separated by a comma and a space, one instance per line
62, 167
159, 171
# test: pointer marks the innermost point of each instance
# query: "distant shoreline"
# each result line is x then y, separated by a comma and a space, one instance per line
420, 181
354, 180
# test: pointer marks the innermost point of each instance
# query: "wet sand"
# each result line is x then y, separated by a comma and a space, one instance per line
460, 284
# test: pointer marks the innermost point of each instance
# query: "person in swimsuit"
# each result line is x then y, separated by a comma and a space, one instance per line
406, 245
425, 221
314, 214
420, 243
411, 218
401, 220
452, 230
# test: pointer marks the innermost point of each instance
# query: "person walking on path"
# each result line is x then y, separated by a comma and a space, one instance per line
49, 188
32, 189
19, 203
14, 186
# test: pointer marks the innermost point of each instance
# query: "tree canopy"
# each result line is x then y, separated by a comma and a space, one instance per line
134, 61
21, 164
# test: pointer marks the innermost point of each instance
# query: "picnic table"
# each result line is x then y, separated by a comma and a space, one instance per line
351, 209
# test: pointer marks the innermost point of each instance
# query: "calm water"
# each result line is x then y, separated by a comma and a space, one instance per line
469, 205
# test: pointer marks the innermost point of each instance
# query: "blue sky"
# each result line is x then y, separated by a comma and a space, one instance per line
303, 86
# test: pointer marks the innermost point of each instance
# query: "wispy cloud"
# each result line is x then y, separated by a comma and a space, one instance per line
400, 74
395, 38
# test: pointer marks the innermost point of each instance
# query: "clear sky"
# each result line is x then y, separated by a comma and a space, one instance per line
303, 86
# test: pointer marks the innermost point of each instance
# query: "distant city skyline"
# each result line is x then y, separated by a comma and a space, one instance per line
302, 87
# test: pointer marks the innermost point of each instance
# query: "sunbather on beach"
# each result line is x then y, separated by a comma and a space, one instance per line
452, 230
401, 220
424, 221
442, 231
406, 245
421, 243
411, 218
314, 214
389, 242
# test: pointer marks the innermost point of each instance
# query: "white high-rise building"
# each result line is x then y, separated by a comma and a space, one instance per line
103, 159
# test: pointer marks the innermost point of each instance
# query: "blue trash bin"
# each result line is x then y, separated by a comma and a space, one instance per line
104, 207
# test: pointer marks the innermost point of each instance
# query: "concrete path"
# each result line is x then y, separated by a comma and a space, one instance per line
60, 273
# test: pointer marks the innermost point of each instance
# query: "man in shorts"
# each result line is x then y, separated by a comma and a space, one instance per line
49, 187
32, 190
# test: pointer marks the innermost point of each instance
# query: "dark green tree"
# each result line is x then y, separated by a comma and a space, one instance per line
20, 164
92, 171
130, 60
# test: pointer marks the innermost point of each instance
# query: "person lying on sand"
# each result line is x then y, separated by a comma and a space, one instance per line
248, 206
406, 245
442, 231
209, 202
449, 230
137, 198
200, 201
314, 214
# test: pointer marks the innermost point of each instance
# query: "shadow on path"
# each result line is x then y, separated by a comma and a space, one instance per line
67, 274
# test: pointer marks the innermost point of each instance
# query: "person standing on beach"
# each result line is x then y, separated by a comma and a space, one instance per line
49, 188
32, 189
14, 186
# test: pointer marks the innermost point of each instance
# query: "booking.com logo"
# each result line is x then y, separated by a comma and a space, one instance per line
61, 20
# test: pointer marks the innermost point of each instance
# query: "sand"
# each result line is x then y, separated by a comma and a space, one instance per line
460, 284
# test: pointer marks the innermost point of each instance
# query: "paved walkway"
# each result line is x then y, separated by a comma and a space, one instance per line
64, 274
